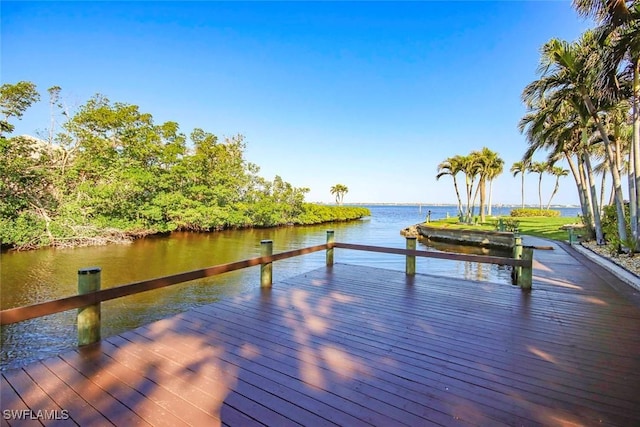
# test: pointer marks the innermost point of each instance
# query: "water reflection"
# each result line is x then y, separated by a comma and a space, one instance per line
36, 276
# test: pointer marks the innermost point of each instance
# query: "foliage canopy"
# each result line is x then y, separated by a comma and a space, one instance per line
112, 173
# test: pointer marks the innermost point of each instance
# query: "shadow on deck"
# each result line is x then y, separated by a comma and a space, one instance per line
352, 345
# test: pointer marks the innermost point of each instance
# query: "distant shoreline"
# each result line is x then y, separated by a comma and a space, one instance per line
448, 205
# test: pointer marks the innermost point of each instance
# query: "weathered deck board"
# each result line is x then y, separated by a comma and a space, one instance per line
362, 346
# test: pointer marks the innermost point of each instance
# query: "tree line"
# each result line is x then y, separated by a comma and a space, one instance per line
527, 166
585, 108
479, 168
108, 172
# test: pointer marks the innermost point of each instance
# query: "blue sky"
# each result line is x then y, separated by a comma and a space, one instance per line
372, 95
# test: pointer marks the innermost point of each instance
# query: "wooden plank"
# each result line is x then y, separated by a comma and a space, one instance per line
412, 375
18, 410
280, 342
391, 414
79, 410
450, 348
476, 326
41, 406
483, 305
144, 376
94, 365
287, 357
114, 410
207, 387
223, 316
244, 385
162, 370
287, 388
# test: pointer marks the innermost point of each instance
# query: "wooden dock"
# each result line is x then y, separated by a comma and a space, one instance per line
351, 345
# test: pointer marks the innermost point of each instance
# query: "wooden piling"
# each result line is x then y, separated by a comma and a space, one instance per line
329, 254
266, 249
411, 259
517, 254
89, 316
526, 276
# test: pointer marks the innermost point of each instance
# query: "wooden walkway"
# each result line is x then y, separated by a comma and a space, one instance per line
356, 346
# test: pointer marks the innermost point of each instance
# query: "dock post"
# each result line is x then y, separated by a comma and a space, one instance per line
411, 259
526, 276
517, 254
330, 241
89, 316
266, 249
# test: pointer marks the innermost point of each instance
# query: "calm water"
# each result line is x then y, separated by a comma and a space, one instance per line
36, 276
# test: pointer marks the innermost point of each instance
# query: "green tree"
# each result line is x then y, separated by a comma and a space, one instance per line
619, 35
565, 108
339, 190
492, 166
520, 168
568, 67
540, 168
558, 173
451, 166
471, 168
111, 171
14, 101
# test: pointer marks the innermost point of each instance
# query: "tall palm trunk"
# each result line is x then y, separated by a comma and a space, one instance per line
615, 173
582, 196
595, 209
594, 200
469, 183
473, 203
455, 185
540, 189
603, 185
587, 193
490, 198
553, 193
482, 186
522, 189
634, 158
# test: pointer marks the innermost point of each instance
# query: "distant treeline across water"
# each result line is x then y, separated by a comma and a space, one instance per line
444, 211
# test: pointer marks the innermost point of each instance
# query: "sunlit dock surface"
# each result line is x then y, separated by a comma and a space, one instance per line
352, 345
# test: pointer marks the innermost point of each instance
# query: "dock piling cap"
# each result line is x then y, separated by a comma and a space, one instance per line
89, 270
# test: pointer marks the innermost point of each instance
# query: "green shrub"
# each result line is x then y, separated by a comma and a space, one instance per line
316, 214
610, 230
534, 212
25, 229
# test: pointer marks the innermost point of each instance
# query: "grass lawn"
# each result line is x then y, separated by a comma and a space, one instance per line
539, 226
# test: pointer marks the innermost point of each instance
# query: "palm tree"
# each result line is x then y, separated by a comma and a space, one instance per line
471, 168
494, 169
560, 123
339, 190
487, 166
558, 172
539, 168
452, 166
619, 34
568, 67
520, 168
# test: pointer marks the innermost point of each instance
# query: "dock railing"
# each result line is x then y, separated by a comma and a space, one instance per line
90, 296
